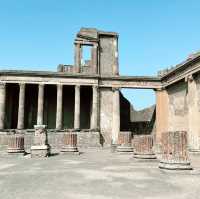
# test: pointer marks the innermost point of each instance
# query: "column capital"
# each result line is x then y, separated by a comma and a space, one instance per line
2, 84
189, 78
77, 86
115, 88
160, 89
22, 84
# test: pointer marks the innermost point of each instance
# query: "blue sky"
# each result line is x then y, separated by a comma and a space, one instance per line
154, 34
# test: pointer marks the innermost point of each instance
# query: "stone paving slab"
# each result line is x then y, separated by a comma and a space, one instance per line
95, 174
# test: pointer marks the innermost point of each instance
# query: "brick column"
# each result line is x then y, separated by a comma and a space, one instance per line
124, 141
59, 106
20, 123
94, 114
77, 108
116, 116
40, 105
16, 144
2, 104
174, 151
143, 147
70, 143
193, 116
77, 56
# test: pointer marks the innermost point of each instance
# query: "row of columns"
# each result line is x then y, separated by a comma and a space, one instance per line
40, 111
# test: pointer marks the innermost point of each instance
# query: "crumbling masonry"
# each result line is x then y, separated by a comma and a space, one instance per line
86, 98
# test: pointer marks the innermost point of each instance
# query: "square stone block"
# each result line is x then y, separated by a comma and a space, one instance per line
40, 151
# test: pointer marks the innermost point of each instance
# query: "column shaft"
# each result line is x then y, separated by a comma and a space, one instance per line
59, 107
40, 104
2, 104
77, 108
162, 114
94, 114
116, 116
20, 123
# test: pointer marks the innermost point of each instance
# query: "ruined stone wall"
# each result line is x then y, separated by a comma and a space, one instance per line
107, 54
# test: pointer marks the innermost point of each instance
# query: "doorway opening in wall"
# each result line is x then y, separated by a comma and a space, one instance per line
86, 57
137, 110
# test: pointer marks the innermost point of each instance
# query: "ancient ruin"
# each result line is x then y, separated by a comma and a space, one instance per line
85, 98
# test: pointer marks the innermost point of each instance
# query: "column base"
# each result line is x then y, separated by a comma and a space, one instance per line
69, 149
12, 151
149, 156
123, 149
175, 166
40, 151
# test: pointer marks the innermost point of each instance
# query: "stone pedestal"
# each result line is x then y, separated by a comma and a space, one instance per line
40, 146
124, 141
16, 144
70, 143
143, 147
174, 151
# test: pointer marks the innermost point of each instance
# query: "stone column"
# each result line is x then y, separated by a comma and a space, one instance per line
94, 114
162, 114
2, 104
94, 58
116, 116
77, 107
77, 56
20, 123
59, 106
40, 104
193, 116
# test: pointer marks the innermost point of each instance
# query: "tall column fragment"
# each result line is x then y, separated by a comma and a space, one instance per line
20, 123
77, 108
40, 104
59, 107
94, 115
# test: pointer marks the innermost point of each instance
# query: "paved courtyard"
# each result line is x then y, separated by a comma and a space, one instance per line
95, 174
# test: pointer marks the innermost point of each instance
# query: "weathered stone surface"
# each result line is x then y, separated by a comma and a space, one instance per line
143, 147
15, 143
124, 142
40, 147
174, 151
69, 142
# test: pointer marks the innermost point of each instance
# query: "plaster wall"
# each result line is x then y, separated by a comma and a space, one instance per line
178, 109
106, 114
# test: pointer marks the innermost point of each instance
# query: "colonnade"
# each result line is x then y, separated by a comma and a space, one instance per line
40, 108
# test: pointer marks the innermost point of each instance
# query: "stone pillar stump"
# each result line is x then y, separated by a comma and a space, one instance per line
174, 151
124, 141
40, 147
16, 143
143, 147
70, 143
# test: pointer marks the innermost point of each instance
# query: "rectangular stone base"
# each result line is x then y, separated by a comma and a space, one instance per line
40, 151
